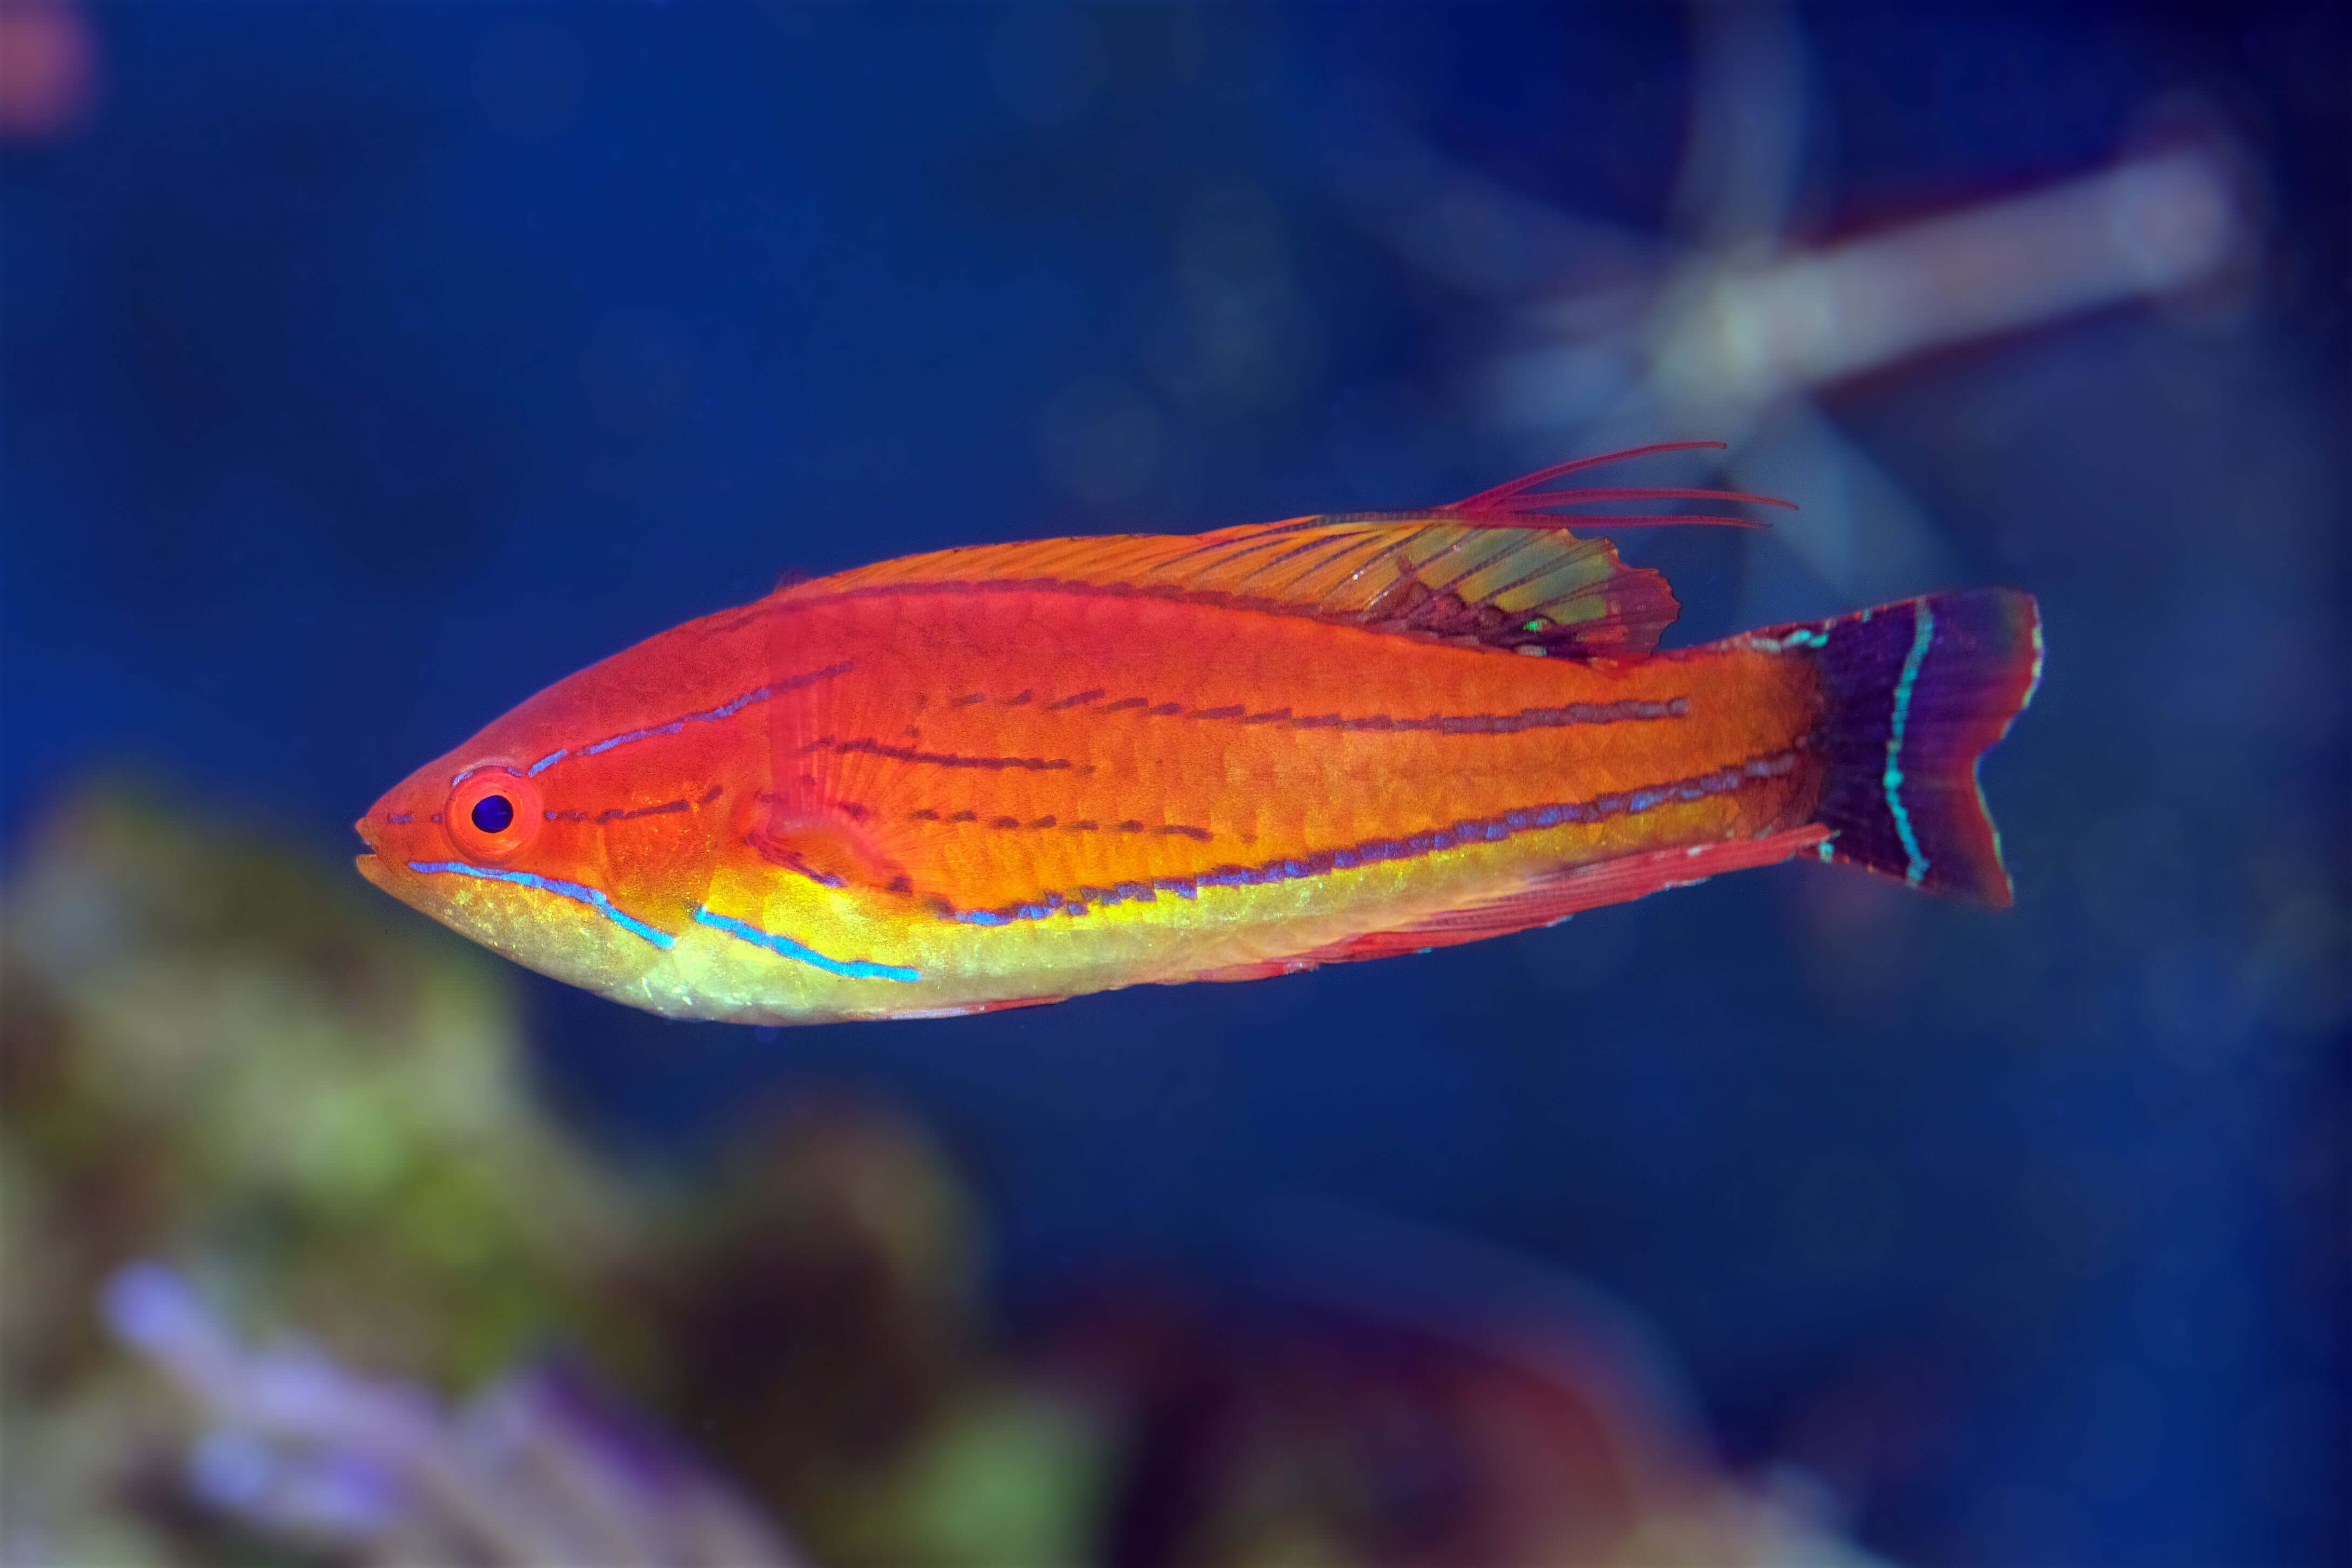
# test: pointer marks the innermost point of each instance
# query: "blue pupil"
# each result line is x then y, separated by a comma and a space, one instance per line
494, 814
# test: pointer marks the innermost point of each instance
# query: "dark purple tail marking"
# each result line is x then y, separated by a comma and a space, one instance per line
1917, 691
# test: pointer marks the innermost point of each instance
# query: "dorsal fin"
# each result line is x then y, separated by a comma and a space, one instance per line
1495, 570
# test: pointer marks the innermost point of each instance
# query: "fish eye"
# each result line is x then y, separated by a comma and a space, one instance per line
493, 813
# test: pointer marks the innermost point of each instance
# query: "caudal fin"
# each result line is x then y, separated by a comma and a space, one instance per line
1917, 692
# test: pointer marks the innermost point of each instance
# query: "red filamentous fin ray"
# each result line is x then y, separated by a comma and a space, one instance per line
1540, 519
1522, 501
1648, 492
1545, 476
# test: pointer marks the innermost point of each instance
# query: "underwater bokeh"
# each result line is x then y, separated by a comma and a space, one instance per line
363, 371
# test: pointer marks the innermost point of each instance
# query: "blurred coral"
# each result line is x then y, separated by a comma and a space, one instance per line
213, 1053
537, 1469
233, 1094
1385, 1396
821, 1302
209, 1052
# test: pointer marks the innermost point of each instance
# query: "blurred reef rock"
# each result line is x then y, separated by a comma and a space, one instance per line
300, 1271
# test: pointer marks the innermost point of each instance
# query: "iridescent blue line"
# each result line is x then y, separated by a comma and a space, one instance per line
1922, 637
726, 709
577, 891
853, 968
758, 694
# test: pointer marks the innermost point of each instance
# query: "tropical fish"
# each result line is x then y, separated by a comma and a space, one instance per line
1013, 773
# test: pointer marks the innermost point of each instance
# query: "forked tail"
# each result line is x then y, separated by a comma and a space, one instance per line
1915, 692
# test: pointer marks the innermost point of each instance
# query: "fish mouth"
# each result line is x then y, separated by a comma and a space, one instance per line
378, 872
366, 861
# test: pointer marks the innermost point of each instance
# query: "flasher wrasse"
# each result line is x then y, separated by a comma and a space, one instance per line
1011, 773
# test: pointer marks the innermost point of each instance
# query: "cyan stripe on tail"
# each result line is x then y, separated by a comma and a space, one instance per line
1914, 692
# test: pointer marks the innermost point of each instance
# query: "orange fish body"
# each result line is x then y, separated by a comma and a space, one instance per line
1015, 774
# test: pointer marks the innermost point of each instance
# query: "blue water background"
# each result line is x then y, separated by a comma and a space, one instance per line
368, 369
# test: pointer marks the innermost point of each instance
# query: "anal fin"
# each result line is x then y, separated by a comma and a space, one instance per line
1549, 898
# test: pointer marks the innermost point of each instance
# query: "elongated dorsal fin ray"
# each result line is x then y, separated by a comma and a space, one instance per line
1525, 497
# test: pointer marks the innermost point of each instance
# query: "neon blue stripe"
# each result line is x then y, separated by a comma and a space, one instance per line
726, 709
1924, 621
576, 891
855, 968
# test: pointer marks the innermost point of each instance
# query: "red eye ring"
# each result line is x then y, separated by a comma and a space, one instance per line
494, 812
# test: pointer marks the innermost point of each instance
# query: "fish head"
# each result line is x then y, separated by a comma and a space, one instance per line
578, 834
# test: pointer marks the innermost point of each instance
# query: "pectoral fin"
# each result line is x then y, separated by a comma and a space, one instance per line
829, 849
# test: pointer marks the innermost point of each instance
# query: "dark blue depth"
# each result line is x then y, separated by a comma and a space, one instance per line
367, 369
